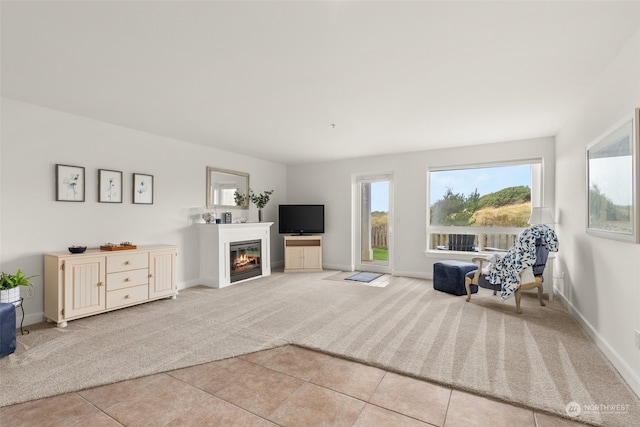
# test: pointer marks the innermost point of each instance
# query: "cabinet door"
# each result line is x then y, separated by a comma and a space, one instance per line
162, 273
84, 286
293, 257
312, 257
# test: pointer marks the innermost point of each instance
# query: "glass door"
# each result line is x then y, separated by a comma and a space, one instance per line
374, 225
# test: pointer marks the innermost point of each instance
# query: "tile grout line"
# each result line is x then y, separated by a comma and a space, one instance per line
366, 402
77, 393
217, 397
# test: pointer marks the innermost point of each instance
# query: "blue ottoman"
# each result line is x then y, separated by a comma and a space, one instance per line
7, 329
448, 276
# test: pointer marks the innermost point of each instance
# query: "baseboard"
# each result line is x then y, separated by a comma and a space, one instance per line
338, 267
29, 319
625, 371
190, 284
414, 274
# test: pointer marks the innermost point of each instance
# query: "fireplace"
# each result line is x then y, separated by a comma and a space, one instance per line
216, 258
245, 259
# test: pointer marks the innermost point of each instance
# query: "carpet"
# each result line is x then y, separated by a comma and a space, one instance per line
364, 276
540, 359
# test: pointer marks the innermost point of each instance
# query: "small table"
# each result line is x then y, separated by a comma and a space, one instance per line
18, 303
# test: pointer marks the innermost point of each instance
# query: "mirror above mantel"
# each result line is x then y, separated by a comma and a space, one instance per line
221, 186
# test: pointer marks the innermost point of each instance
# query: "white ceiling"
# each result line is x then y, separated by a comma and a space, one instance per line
271, 79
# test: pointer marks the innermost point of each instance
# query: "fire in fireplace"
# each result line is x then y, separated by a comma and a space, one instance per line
245, 259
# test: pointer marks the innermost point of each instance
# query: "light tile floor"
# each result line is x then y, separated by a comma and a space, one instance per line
285, 386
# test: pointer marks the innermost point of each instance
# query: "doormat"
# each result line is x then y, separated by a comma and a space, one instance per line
364, 276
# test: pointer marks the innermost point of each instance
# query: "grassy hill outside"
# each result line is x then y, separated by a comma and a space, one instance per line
509, 207
504, 216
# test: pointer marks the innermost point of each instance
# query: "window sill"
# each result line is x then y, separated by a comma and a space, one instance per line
462, 255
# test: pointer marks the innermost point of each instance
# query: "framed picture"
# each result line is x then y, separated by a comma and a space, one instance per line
612, 181
109, 186
142, 189
69, 183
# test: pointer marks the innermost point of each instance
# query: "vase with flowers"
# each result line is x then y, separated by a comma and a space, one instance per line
259, 199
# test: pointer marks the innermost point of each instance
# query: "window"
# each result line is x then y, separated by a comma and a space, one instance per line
481, 207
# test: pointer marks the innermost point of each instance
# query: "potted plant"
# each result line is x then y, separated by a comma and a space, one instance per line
9, 291
260, 200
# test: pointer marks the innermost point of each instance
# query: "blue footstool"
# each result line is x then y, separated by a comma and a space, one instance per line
7, 329
448, 276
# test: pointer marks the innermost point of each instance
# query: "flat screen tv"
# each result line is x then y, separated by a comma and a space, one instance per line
301, 219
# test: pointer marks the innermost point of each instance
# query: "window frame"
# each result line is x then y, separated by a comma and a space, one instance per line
537, 198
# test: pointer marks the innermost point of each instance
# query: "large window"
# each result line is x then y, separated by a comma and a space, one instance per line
481, 208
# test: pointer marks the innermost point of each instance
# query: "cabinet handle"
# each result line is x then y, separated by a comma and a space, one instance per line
127, 280
150, 275
126, 297
127, 262
99, 284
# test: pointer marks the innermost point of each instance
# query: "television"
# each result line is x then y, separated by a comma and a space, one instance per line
301, 219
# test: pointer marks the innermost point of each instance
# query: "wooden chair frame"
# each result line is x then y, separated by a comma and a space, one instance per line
537, 283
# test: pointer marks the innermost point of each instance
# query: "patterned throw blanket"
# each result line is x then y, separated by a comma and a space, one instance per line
522, 255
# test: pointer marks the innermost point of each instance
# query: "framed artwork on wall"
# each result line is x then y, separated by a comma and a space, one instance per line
69, 183
612, 181
142, 189
109, 186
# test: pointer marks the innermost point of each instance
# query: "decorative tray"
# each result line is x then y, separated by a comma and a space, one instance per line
117, 247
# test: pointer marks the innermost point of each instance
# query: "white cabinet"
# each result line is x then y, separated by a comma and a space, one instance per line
302, 253
79, 285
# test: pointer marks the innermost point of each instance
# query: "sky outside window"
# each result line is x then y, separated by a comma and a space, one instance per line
380, 196
485, 180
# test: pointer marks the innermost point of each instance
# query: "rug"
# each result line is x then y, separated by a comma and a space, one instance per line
541, 359
364, 276
341, 276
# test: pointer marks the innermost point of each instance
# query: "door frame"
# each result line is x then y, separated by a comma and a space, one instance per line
357, 180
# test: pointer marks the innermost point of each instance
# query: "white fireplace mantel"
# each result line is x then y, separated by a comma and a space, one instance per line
215, 265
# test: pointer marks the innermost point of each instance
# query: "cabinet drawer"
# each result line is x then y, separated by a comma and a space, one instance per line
127, 296
127, 279
124, 262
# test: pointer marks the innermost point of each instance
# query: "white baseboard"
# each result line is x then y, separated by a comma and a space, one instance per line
190, 284
338, 267
625, 371
29, 319
415, 274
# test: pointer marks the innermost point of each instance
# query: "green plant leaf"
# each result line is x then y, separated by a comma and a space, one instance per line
10, 281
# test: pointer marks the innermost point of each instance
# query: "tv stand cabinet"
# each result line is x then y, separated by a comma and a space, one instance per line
302, 253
